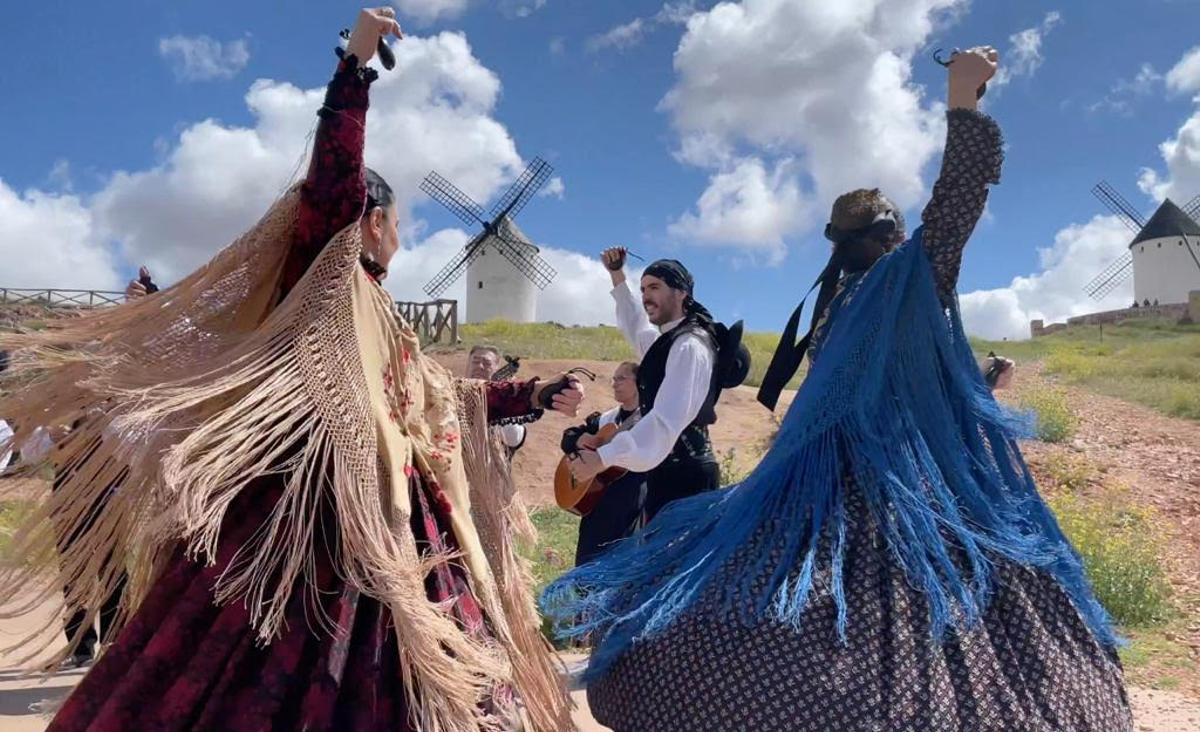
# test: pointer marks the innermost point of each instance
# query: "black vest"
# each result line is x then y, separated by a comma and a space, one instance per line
694, 442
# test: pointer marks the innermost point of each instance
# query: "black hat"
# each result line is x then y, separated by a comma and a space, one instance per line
733, 357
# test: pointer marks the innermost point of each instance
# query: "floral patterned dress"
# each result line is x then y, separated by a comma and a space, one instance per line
185, 663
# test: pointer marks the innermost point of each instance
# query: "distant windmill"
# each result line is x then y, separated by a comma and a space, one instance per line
505, 284
1160, 275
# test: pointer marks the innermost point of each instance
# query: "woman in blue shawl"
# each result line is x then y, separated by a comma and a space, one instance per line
889, 565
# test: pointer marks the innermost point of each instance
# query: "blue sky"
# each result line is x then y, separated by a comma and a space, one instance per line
714, 133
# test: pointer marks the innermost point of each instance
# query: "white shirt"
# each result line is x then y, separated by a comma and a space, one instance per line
688, 376
513, 435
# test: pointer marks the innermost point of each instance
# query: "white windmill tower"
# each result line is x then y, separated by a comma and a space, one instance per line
1164, 256
504, 269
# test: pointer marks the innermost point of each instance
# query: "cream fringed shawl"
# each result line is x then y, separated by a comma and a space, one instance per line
189, 395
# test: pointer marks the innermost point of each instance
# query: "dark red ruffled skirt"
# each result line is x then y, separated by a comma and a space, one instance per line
184, 663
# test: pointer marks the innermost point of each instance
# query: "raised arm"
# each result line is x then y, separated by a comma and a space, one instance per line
631, 316
334, 190
971, 162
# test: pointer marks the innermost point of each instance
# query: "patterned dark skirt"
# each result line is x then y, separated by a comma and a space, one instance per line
184, 663
1032, 664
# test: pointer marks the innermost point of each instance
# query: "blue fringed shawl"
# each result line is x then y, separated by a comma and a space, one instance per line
895, 399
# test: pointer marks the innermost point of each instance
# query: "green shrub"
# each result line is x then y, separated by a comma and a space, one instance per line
1055, 420
1120, 552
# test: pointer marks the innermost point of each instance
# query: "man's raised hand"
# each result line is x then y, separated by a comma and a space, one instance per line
613, 259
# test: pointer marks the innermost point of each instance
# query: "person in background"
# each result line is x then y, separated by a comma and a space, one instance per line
482, 363
618, 512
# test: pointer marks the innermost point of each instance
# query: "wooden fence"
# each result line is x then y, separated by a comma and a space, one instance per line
434, 322
60, 298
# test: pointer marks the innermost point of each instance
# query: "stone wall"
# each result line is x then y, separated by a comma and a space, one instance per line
1184, 312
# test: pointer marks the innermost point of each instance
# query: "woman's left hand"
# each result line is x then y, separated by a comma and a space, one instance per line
568, 400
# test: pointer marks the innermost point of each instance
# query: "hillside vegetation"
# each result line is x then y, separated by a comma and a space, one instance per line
1155, 363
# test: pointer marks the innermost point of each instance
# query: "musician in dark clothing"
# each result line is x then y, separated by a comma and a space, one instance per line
687, 359
617, 513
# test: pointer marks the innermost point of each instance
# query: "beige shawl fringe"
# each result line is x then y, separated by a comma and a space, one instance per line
189, 395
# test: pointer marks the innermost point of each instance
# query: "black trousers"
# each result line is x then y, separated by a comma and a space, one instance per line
615, 516
677, 478
108, 614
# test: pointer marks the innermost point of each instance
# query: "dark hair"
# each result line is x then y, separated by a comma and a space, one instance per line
632, 365
379, 193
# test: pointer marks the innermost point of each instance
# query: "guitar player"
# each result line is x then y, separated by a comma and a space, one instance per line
618, 511
687, 359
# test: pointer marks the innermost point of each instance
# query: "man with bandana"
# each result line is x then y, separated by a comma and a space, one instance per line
686, 360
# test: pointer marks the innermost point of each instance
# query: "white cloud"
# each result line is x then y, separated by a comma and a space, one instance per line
1180, 153
200, 58
433, 111
48, 240
1024, 56
555, 188
215, 180
429, 11
521, 8
747, 205
825, 86
1123, 93
628, 35
1055, 292
1184, 77
558, 46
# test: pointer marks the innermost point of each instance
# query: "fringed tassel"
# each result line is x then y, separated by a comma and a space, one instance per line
894, 404
503, 522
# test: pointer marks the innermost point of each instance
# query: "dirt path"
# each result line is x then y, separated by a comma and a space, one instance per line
1158, 459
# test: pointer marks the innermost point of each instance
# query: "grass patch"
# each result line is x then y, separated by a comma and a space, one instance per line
13, 513
558, 534
1150, 362
1119, 545
1065, 472
1055, 420
1155, 659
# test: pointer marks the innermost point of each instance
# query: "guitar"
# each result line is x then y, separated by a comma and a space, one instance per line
581, 497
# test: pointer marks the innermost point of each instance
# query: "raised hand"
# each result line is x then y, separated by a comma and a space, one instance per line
970, 70
613, 259
373, 24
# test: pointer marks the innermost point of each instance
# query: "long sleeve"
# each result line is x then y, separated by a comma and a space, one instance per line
334, 190
688, 377
632, 319
508, 401
971, 162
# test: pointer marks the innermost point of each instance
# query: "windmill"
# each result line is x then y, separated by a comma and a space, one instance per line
504, 269
1158, 271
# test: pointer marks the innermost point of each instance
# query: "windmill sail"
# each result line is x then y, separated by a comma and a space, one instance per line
1112, 276
501, 233
523, 189
1119, 206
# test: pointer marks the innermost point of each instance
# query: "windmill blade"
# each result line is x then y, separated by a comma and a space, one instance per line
519, 193
1192, 209
450, 196
1118, 205
1112, 276
455, 267
527, 262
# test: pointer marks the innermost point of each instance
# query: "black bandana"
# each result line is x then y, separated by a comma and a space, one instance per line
672, 272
